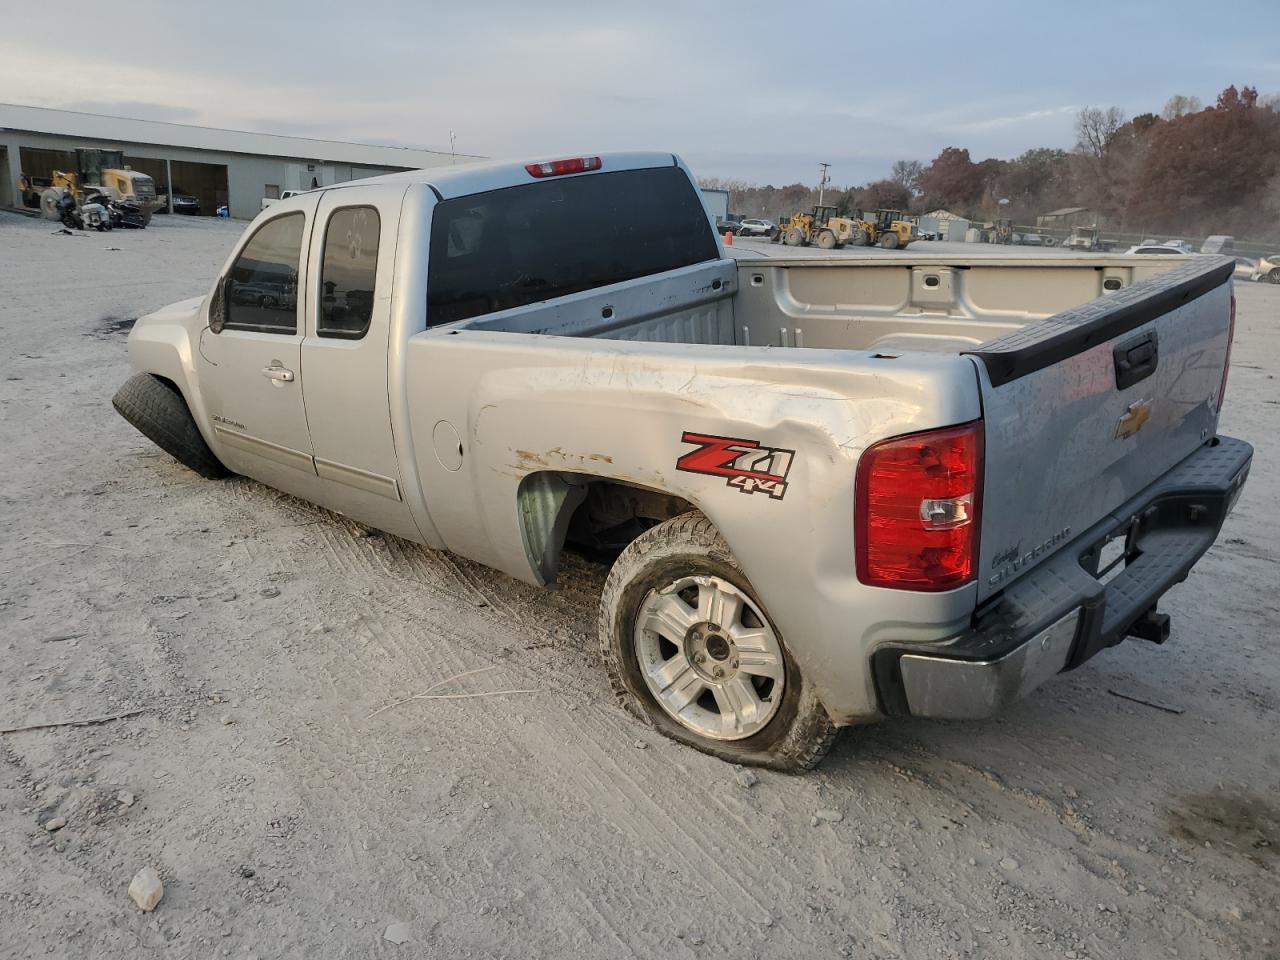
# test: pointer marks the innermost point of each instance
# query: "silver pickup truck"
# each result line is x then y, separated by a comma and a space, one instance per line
836, 489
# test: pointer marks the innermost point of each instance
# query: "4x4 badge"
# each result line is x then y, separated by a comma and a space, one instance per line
744, 464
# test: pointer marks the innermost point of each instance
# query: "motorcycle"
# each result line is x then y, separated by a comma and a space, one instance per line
125, 214
90, 215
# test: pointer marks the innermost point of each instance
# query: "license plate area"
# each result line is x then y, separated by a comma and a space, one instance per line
1107, 559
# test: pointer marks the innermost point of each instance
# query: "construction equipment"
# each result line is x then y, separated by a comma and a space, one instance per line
821, 227
1083, 238
1001, 231
100, 172
887, 228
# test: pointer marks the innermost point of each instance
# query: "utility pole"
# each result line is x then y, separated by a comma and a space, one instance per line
822, 184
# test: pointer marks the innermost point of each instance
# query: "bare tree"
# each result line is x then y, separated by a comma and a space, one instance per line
1096, 128
907, 173
1179, 106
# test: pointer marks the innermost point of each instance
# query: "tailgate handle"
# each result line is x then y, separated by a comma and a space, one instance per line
1136, 359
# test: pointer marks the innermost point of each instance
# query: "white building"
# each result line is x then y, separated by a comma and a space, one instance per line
716, 202
218, 167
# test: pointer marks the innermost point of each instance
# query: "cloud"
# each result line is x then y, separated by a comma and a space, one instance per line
995, 123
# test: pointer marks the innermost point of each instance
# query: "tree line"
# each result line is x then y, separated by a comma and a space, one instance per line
1190, 170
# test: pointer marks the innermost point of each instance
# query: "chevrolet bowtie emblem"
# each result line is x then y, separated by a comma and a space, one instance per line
1135, 419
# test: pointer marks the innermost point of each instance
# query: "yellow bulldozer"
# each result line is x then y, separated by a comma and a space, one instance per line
822, 227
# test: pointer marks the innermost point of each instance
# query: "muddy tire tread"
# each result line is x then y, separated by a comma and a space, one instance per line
811, 735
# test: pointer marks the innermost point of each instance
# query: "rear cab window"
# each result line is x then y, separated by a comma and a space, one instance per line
347, 272
506, 248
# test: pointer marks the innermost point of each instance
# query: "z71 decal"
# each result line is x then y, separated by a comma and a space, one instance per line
744, 463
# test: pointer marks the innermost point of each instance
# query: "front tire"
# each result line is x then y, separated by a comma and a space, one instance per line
160, 413
795, 238
889, 241
690, 651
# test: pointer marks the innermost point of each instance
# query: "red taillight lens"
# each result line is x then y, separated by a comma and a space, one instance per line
919, 506
558, 168
1226, 364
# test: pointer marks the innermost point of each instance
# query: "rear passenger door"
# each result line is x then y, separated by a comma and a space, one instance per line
348, 352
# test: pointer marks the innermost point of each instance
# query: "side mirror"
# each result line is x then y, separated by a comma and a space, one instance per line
221, 305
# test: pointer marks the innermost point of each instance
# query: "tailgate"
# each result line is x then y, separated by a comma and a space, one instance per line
1087, 408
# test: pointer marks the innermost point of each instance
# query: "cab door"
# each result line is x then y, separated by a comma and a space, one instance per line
346, 355
250, 357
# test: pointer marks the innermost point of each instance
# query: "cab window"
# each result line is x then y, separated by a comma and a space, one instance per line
347, 273
517, 245
263, 294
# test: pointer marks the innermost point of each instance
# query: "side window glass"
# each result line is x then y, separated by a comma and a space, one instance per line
264, 278
347, 272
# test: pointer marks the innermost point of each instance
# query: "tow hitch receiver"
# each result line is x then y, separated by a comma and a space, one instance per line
1151, 626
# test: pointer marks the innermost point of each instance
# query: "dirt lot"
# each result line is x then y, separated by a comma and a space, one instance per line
257, 634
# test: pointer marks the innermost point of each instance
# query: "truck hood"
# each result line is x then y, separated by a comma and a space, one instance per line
184, 313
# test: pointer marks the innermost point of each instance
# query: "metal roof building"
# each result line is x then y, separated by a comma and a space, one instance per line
234, 168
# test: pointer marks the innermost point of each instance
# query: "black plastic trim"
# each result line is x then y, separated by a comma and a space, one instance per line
1074, 331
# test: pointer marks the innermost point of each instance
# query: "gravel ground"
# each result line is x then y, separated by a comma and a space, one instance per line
257, 634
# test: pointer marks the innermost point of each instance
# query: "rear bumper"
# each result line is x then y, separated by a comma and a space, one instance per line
1060, 614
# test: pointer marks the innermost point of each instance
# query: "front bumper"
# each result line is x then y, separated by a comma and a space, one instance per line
1061, 614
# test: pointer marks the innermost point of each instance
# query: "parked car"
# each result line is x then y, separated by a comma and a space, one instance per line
182, 202
728, 226
1182, 245
1030, 240
1245, 268
1157, 249
1267, 269
752, 227
820, 516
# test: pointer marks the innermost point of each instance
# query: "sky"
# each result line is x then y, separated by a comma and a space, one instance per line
744, 90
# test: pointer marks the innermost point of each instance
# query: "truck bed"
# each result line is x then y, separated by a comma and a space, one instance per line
851, 303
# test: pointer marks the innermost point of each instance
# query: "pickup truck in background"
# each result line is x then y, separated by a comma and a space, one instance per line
285, 195
837, 489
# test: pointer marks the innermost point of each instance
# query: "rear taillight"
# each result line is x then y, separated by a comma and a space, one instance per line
558, 168
919, 505
1226, 364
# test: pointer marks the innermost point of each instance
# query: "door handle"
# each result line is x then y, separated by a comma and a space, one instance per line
1136, 359
278, 373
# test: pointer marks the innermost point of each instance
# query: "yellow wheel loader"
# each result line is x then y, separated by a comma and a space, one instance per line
822, 228
100, 171
888, 229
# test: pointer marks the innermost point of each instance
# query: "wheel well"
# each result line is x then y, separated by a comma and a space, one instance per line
598, 514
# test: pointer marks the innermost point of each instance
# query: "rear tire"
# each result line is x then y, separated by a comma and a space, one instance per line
1273, 276
160, 413
889, 241
861, 238
827, 240
773, 720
